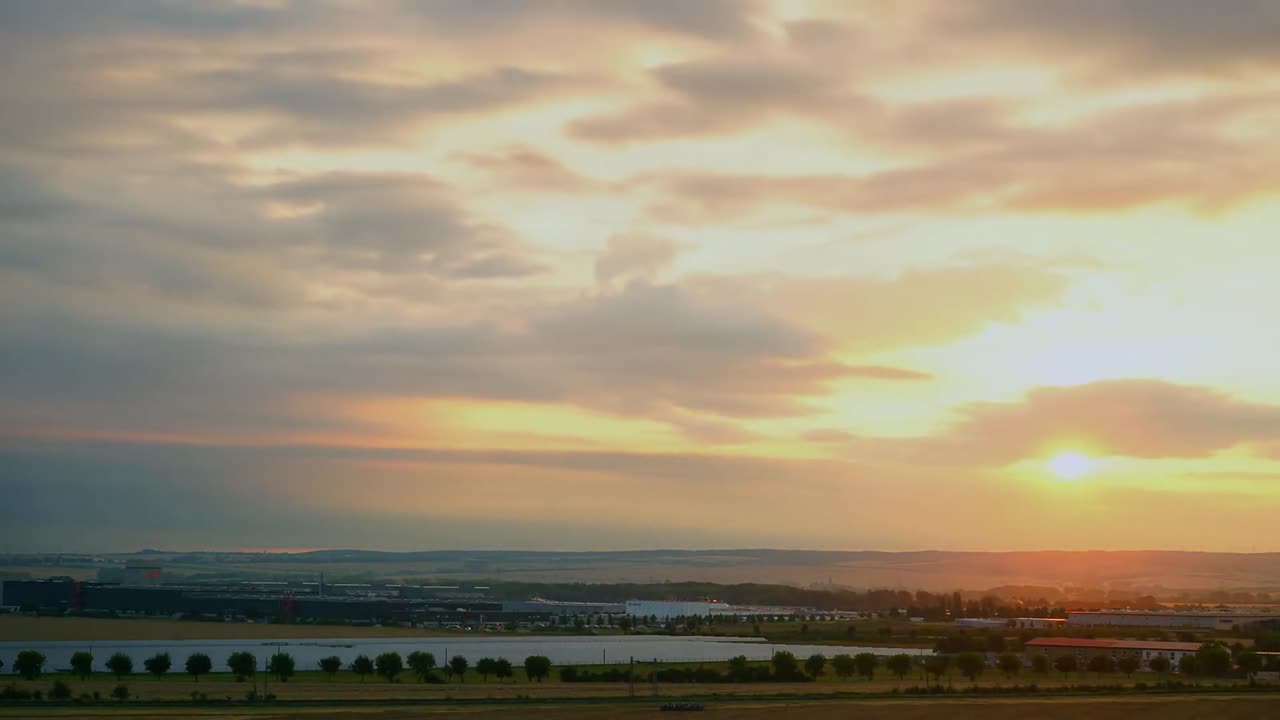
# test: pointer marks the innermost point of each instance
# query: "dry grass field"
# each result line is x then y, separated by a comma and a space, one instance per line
1109, 708
346, 686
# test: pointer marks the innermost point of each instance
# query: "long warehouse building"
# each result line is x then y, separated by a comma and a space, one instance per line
1169, 619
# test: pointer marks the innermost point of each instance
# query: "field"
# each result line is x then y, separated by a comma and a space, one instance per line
313, 685
1163, 708
48, 629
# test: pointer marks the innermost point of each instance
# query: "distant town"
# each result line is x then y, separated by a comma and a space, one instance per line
1155, 638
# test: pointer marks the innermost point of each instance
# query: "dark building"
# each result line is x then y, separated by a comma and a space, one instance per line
256, 600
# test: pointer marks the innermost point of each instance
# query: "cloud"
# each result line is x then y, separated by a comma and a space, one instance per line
316, 106
394, 223
527, 169
919, 307
975, 159
725, 94
1134, 418
134, 494
881, 372
652, 342
708, 19
259, 87
699, 354
630, 257
1130, 38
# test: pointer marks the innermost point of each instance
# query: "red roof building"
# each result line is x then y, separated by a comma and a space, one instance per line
1085, 648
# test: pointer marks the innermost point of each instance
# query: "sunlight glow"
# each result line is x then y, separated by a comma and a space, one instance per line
1070, 465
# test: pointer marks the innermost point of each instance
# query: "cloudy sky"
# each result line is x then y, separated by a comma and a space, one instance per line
596, 274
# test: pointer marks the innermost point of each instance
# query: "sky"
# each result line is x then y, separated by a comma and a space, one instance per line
616, 274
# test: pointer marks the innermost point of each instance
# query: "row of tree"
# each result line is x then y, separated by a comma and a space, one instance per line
1211, 659
29, 664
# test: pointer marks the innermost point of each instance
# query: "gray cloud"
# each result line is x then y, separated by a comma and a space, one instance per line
523, 168
710, 19
144, 495
729, 93
983, 161
634, 256
395, 223
188, 17
1139, 36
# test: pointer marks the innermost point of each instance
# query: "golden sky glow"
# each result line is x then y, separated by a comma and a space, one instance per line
617, 274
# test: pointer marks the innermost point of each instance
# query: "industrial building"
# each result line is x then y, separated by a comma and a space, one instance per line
1037, 623
665, 610
1084, 649
982, 623
1221, 620
285, 601
561, 607
669, 609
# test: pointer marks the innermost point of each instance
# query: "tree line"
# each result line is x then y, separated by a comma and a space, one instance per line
29, 664
1212, 659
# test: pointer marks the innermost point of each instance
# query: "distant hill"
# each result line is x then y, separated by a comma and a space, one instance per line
925, 570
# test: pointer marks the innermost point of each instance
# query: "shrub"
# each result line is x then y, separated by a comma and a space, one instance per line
13, 693
60, 691
120, 692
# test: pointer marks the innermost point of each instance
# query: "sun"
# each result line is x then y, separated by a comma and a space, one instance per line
1070, 465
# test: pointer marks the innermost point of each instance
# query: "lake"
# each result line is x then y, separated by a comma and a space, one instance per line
561, 650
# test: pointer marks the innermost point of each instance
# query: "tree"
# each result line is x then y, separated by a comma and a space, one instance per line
362, 666
331, 665
1250, 662
422, 663
486, 667
1214, 659
843, 665
1189, 665
1101, 663
815, 664
282, 666
198, 664
389, 665
937, 665
29, 664
1009, 664
242, 665
120, 664
899, 665
971, 664
158, 664
739, 668
502, 668
1040, 664
1128, 664
82, 664
785, 665
1159, 664
865, 664
537, 667
1066, 664
458, 667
